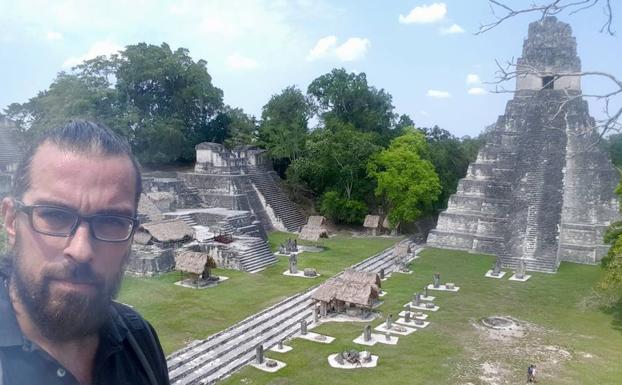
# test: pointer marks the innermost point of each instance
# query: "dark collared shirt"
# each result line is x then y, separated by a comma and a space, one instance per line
116, 362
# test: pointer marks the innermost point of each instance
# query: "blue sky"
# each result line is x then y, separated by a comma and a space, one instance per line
423, 53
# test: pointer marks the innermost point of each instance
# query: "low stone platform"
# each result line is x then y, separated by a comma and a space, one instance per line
279, 365
346, 365
299, 274
443, 288
412, 315
286, 348
515, 278
490, 275
315, 337
376, 338
395, 329
188, 283
420, 307
412, 323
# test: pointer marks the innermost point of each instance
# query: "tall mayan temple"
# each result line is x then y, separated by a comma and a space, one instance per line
541, 189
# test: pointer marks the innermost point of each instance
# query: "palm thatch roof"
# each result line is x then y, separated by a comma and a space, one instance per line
312, 233
340, 289
385, 223
193, 262
165, 231
147, 210
372, 221
361, 276
316, 221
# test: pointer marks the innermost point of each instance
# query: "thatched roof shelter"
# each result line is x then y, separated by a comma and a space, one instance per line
312, 234
165, 231
372, 221
355, 287
354, 292
386, 224
193, 262
316, 221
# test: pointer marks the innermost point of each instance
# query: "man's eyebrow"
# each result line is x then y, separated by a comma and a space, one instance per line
109, 211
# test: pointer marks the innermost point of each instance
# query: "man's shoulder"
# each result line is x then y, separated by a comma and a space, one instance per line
130, 317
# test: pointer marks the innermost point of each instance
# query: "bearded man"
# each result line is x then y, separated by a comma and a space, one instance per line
70, 221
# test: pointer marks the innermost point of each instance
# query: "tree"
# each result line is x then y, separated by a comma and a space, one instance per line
405, 178
161, 100
241, 128
347, 98
283, 130
450, 157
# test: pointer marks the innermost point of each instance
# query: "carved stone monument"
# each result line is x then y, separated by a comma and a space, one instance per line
496, 269
259, 356
520, 270
389, 322
303, 327
293, 263
367, 333
541, 190
436, 280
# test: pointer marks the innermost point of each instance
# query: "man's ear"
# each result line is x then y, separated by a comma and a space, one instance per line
8, 215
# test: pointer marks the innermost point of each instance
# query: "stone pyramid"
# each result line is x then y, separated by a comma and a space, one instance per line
541, 189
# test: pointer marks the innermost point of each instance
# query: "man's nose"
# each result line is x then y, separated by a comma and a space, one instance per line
80, 244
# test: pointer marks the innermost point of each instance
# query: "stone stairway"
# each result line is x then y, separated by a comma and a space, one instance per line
284, 209
188, 219
257, 256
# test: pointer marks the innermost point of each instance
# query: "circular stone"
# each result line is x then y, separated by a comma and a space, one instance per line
499, 323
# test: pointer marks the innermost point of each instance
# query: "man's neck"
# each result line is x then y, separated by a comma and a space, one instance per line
76, 355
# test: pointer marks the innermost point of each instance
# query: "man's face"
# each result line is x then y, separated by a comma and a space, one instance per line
65, 284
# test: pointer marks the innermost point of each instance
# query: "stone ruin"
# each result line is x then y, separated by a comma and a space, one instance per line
229, 201
10, 152
541, 189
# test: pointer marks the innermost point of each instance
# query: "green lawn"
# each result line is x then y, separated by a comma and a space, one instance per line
181, 314
570, 341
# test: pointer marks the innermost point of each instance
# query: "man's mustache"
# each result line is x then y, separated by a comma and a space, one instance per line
73, 272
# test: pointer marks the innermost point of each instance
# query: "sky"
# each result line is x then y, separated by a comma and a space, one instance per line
425, 54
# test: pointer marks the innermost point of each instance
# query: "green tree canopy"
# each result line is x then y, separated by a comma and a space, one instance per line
405, 178
346, 97
160, 99
283, 129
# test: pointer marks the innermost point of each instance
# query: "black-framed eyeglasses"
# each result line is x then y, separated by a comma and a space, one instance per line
63, 222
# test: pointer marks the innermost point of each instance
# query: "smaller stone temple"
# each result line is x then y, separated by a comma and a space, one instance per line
541, 190
229, 201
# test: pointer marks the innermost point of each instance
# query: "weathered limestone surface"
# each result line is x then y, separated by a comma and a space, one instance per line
9, 155
540, 189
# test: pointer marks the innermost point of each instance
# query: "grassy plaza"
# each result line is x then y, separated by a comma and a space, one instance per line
570, 340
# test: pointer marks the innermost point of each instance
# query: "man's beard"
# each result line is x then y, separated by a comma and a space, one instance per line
71, 315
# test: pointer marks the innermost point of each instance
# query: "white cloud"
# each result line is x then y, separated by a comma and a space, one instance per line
425, 14
438, 94
353, 49
477, 91
455, 28
100, 48
322, 48
473, 79
239, 62
53, 35
423, 113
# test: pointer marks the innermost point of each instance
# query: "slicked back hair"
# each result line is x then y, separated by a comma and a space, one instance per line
77, 136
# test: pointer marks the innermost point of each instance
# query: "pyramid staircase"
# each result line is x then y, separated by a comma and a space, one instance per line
256, 256
283, 208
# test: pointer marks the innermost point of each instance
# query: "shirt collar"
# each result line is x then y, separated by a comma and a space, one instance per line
10, 333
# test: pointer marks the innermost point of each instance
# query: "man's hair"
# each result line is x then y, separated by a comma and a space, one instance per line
78, 136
